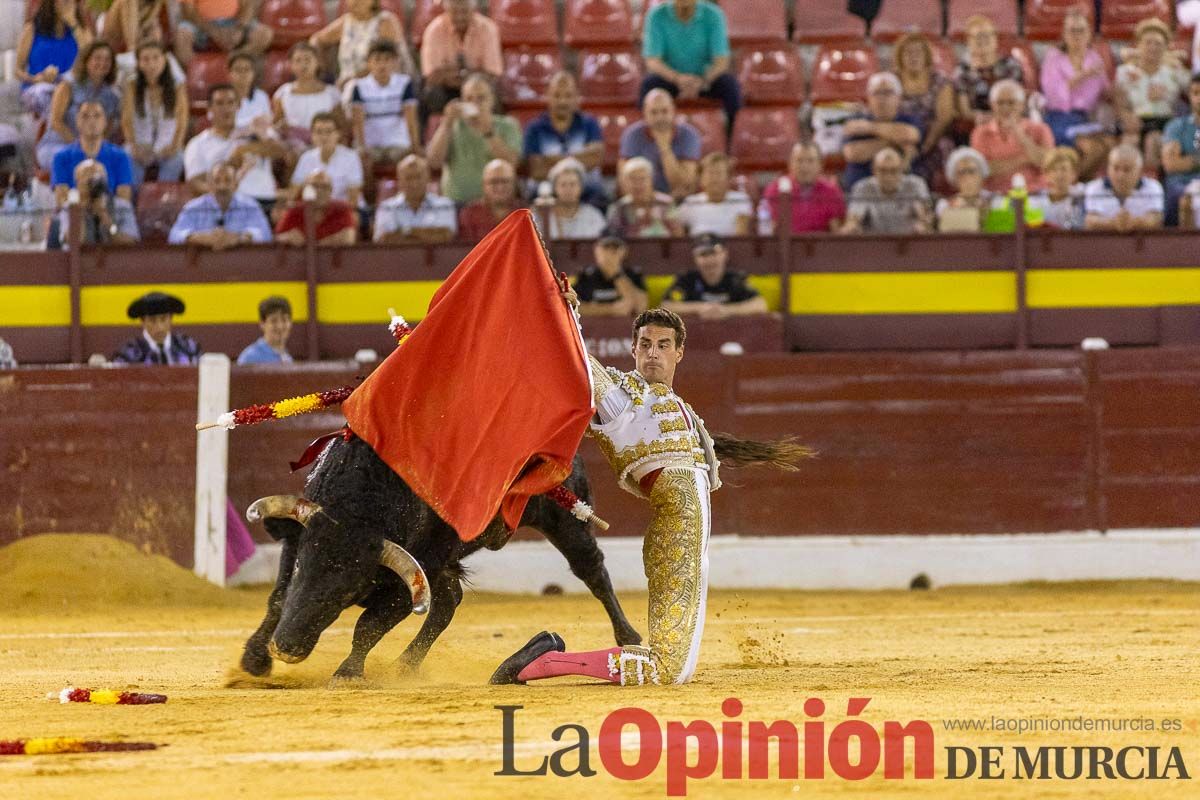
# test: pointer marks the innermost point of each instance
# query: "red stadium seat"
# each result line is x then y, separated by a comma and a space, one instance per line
828, 23
710, 122
897, 17
763, 137
1118, 18
158, 204
745, 20
423, 13
525, 21
292, 20
1002, 13
527, 73
205, 70
613, 122
610, 77
771, 75
1043, 18
276, 71
1023, 53
841, 73
598, 22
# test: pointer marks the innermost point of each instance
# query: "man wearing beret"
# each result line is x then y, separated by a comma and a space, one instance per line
158, 344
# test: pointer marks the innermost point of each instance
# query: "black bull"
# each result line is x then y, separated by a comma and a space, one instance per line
333, 561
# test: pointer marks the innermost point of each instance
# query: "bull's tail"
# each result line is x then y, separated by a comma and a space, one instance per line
458, 571
781, 454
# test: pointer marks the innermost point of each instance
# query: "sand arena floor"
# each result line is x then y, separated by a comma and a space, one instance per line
1112, 650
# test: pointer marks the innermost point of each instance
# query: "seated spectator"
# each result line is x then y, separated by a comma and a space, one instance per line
984, 67
569, 217
686, 48
47, 50
1075, 83
458, 42
498, 201
415, 215
1011, 142
254, 106
717, 208
154, 117
1150, 86
353, 33
223, 217
249, 151
106, 220
335, 221
130, 22
566, 132
158, 343
275, 320
926, 99
219, 25
712, 290
383, 108
469, 136
328, 155
881, 126
296, 103
967, 169
642, 213
7, 359
1125, 200
889, 201
672, 148
818, 205
1061, 202
94, 79
92, 122
610, 287
1181, 151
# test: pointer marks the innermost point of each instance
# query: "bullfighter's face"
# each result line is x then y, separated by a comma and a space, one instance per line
656, 354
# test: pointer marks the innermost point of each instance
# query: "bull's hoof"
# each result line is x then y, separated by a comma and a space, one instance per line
279, 655
256, 662
628, 636
347, 682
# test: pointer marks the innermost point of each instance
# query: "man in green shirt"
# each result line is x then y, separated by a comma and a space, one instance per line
468, 137
686, 49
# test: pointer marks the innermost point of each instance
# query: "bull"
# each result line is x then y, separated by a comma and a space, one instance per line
360, 534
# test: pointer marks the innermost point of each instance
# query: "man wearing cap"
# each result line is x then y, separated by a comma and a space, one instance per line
712, 291
610, 287
157, 344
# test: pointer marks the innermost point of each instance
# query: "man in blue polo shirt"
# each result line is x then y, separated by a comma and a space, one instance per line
686, 48
563, 132
91, 122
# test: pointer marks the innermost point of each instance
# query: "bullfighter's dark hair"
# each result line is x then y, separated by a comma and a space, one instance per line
663, 318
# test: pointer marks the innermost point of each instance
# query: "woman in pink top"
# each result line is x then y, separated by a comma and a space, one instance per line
1011, 143
1074, 81
818, 205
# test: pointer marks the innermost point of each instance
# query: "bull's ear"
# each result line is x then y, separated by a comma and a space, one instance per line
399, 561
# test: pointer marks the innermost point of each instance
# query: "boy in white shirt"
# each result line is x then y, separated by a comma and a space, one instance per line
383, 107
330, 156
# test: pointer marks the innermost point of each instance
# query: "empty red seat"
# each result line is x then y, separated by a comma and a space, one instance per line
610, 77
1022, 52
771, 75
1002, 13
1118, 18
423, 13
763, 137
841, 73
1043, 18
276, 71
525, 21
613, 122
158, 204
710, 122
900, 16
597, 22
292, 20
828, 23
755, 20
205, 70
527, 73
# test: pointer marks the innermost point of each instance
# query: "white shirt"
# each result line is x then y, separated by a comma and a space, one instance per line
383, 108
701, 215
344, 169
1146, 198
299, 109
435, 211
207, 148
1137, 86
253, 107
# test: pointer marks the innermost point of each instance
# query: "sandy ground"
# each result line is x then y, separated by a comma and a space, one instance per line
1114, 650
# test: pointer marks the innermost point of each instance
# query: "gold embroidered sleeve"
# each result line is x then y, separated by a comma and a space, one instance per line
602, 381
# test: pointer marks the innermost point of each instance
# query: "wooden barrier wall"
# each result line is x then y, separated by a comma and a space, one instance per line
982, 442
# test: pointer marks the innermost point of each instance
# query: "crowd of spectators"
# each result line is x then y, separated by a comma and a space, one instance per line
399, 144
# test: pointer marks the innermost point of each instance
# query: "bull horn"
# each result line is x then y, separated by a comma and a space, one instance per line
285, 506
399, 561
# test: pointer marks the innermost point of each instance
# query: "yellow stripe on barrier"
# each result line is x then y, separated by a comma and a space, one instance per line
769, 286
369, 302
1110, 288
207, 303
35, 306
903, 293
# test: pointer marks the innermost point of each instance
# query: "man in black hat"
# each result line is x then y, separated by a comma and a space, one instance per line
711, 290
157, 344
610, 287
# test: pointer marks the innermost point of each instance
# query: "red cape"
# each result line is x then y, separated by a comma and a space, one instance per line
495, 378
